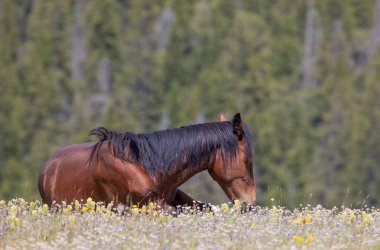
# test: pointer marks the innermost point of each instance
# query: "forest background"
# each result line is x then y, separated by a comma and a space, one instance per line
303, 73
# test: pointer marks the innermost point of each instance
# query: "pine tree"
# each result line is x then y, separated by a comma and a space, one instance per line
45, 85
11, 172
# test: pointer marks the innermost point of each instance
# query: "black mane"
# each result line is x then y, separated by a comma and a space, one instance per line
192, 145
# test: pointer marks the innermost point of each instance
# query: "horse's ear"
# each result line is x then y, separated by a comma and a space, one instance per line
221, 117
238, 126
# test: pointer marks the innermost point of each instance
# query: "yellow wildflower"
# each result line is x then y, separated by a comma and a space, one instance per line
306, 219
274, 210
22, 201
34, 213
309, 238
237, 203
84, 209
345, 216
364, 214
298, 239
71, 219
45, 208
273, 213
224, 208
100, 209
348, 216
352, 215
162, 219
31, 206
143, 209
151, 206
14, 210
366, 218
11, 218
16, 221
68, 209
109, 206
297, 221
303, 220
134, 211
90, 204
2, 202
76, 205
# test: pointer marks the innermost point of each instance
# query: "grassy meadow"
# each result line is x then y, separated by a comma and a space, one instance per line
87, 225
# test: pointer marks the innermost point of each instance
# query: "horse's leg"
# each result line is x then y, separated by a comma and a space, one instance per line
182, 199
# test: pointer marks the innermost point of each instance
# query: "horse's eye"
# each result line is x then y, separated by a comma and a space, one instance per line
245, 180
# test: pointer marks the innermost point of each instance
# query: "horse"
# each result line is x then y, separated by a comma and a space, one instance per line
131, 168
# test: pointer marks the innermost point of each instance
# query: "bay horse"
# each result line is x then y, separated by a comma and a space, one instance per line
134, 168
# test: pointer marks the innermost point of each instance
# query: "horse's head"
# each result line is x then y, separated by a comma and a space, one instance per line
235, 175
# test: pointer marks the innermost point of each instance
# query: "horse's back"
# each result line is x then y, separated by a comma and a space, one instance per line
66, 174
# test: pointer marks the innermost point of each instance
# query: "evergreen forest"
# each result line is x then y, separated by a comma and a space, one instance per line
304, 74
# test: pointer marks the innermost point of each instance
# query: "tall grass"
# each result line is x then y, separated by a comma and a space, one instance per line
31, 225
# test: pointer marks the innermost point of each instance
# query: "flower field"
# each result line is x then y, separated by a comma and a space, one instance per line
31, 225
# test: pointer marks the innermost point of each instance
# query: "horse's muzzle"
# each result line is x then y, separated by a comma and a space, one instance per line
245, 207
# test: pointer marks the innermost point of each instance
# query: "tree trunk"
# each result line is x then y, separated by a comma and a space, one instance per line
308, 49
375, 36
78, 53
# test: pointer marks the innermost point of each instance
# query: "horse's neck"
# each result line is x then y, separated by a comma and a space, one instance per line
177, 175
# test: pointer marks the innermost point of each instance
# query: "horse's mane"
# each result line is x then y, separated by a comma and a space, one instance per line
187, 146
